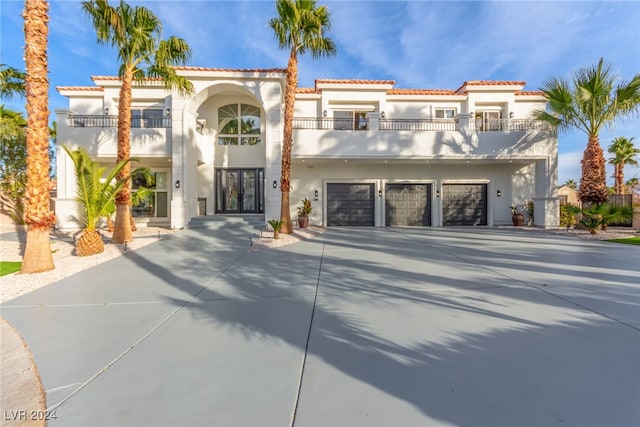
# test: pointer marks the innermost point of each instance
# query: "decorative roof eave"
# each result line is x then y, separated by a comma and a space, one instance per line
423, 94
531, 94
493, 85
186, 71
87, 91
353, 84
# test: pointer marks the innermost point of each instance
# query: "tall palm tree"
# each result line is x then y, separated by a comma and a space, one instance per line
136, 33
300, 27
624, 154
591, 102
12, 82
38, 216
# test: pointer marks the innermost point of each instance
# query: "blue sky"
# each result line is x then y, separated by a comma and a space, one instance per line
419, 44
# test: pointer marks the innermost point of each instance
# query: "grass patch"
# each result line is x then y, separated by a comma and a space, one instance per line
8, 267
627, 241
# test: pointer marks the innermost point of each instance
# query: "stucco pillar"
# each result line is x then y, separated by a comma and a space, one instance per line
546, 203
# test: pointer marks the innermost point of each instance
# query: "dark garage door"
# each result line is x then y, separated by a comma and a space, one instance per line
464, 204
407, 204
350, 204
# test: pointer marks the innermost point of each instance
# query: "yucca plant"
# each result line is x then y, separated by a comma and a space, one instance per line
94, 193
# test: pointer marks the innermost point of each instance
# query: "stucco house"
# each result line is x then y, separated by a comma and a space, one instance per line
365, 152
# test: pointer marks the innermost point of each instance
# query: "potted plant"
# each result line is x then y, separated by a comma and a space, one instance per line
276, 224
517, 218
304, 210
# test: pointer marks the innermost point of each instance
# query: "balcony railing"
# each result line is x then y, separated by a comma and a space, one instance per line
419, 124
503, 125
330, 123
99, 121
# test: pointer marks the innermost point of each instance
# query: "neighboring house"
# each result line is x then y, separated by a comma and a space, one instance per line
365, 153
568, 196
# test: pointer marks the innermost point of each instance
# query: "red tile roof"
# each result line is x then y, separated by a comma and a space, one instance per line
421, 92
81, 88
234, 70
490, 83
355, 81
306, 90
530, 92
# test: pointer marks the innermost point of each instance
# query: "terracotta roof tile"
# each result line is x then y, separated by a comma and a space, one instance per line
491, 83
306, 90
421, 92
355, 81
530, 92
234, 70
80, 88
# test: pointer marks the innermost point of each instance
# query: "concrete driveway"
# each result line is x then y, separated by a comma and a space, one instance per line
356, 327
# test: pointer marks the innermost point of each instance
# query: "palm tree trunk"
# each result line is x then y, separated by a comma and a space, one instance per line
38, 216
287, 140
593, 183
122, 232
620, 178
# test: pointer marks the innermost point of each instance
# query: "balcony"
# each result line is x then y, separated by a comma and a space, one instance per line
422, 138
101, 121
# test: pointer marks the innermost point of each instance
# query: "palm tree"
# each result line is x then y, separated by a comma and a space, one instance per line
592, 102
95, 194
12, 82
136, 34
571, 183
299, 27
624, 154
38, 216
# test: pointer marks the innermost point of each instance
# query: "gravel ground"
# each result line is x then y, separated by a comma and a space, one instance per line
67, 263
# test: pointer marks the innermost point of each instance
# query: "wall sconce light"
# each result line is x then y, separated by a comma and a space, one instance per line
437, 193
324, 113
106, 111
315, 194
471, 114
379, 193
275, 184
178, 184
499, 193
383, 115
168, 112
511, 115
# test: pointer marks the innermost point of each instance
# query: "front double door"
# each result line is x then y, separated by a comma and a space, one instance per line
240, 190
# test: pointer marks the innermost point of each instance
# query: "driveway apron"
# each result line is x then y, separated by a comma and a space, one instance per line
358, 326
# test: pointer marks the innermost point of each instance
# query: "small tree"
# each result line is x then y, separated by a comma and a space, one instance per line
624, 153
95, 194
13, 167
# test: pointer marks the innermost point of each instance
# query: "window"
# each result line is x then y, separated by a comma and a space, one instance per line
150, 198
148, 118
350, 120
238, 124
445, 113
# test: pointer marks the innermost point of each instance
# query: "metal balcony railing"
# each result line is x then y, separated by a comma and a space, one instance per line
503, 125
419, 124
330, 123
99, 121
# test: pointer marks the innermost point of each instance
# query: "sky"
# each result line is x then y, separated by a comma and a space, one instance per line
418, 44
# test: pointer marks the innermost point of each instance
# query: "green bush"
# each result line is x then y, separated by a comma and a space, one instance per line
568, 215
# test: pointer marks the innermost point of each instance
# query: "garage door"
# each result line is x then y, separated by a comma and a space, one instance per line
464, 204
350, 204
407, 204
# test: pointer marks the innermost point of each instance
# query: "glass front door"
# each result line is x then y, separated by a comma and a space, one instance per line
239, 190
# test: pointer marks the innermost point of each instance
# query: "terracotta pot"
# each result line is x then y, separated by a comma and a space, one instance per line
303, 221
517, 219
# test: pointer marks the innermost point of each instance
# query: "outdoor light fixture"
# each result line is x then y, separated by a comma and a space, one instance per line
168, 112
471, 114
178, 184
383, 115
437, 193
379, 193
316, 194
324, 113
275, 184
106, 111
511, 115
499, 193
